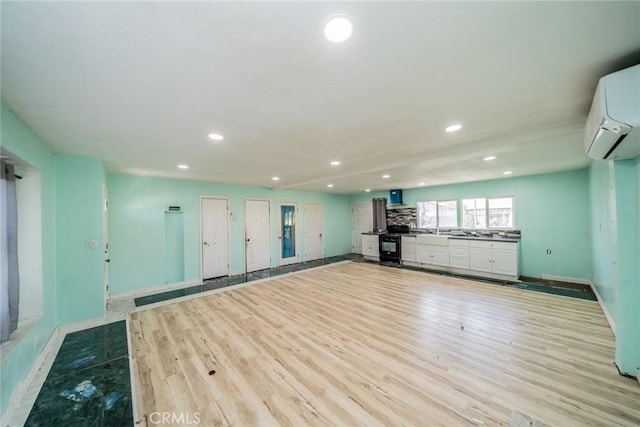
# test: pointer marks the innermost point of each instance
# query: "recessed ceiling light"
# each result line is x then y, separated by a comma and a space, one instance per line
490, 158
183, 167
330, 185
338, 29
386, 176
216, 136
453, 128
421, 184
335, 163
275, 178
507, 172
368, 190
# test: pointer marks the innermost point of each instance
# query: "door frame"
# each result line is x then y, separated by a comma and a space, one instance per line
352, 223
244, 230
279, 229
228, 235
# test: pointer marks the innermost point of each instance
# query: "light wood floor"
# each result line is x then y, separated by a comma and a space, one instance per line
359, 344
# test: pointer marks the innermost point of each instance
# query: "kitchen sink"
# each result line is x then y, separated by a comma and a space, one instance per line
432, 239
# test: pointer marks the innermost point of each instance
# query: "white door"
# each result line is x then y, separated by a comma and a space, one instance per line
505, 261
288, 246
312, 231
215, 237
361, 222
257, 234
480, 259
105, 240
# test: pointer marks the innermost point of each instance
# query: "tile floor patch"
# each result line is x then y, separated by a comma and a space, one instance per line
80, 392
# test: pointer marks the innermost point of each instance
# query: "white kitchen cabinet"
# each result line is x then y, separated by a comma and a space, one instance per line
494, 257
459, 253
408, 248
370, 246
432, 254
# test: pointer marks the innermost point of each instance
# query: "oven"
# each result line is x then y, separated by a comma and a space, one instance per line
390, 248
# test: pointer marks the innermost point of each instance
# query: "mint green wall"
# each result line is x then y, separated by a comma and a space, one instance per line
137, 230
79, 183
22, 142
552, 210
615, 200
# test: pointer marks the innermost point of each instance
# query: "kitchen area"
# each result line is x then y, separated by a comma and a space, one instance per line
396, 240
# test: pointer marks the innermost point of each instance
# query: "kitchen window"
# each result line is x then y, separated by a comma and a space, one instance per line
488, 213
438, 214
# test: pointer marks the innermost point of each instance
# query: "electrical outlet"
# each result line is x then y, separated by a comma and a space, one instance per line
92, 244
548, 251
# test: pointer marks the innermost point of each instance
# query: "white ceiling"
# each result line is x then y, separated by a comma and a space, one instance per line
141, 84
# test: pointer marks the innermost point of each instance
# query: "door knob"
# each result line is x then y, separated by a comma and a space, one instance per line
107, 260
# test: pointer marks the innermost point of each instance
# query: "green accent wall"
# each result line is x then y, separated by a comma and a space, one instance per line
22, 142
615, 202
552, 210
79, 208
137, 241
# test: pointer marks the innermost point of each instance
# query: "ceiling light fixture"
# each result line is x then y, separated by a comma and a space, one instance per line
216, 136
183, 167
338, 29
386, 176
335, 163
490, 158
330, 185
421, 184
453, 128
368, 190
507, 172
275, 178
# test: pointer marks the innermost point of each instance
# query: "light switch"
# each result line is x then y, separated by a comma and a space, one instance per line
92, 244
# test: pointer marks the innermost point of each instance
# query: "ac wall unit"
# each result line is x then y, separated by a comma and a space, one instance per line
613, 126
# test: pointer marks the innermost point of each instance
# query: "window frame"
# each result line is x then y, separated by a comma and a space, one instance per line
486, 209
437, 203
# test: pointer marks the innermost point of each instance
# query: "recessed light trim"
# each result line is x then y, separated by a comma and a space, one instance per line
386, 176
216, 136
338, 28
453, 128
183, 166
335, 163
275, 178
488, 158
330, 185
368, 190
421, 184
507, 172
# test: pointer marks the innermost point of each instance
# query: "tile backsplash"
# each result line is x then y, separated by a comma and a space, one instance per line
404, 216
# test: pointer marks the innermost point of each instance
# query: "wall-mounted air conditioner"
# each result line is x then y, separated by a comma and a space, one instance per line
613, 126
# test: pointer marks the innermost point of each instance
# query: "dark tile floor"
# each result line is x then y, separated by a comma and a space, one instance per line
89, 383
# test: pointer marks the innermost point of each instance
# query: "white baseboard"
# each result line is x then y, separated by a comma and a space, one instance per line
565, 279
154, 289
612, 324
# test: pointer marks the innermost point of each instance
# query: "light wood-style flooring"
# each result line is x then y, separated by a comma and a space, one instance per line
360, 344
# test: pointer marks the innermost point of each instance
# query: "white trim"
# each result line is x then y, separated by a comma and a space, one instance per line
228, 234
608, 316
134, 408
21, 402
155, 289
565, 279
105, 242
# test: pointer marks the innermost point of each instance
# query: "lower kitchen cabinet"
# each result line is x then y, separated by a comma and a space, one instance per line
408, 248
494, 257
370, 246
431, 254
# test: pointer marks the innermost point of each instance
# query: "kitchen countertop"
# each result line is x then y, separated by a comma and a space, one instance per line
486, 238
375, 233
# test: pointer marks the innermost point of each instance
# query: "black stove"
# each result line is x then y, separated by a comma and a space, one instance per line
390, 243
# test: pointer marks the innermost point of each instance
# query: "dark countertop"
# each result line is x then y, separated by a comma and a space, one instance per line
375, 233
486, 238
